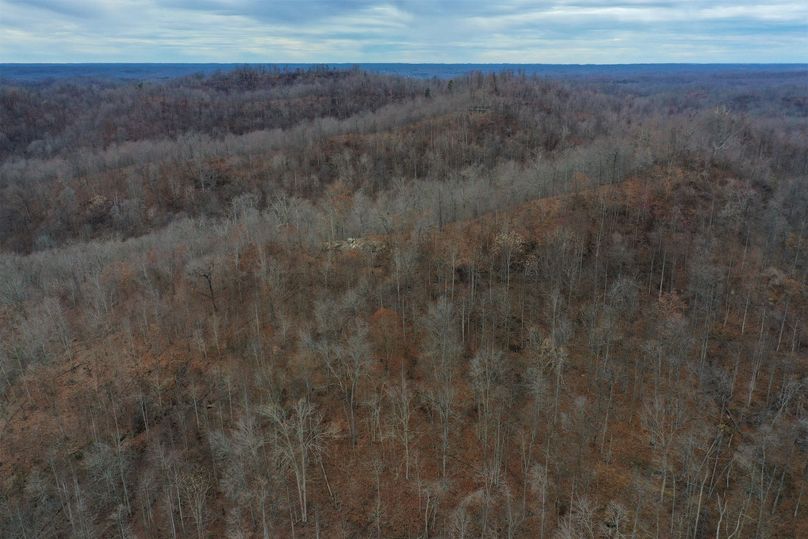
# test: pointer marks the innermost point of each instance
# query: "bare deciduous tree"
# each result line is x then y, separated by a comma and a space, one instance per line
300, 437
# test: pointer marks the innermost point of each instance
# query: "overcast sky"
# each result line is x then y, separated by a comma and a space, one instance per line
418, 31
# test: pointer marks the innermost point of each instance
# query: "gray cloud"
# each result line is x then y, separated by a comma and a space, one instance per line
517, 31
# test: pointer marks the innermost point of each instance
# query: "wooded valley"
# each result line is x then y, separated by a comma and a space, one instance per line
331, 303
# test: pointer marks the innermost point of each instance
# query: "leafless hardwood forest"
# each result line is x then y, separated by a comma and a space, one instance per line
322, 303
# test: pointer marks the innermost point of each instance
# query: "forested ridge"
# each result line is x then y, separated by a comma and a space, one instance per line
330, 303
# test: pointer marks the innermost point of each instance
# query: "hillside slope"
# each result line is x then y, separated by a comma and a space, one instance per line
499, 306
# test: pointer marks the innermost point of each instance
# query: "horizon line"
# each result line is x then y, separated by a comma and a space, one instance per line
409, 63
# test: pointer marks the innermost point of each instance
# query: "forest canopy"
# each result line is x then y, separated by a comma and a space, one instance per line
304, 302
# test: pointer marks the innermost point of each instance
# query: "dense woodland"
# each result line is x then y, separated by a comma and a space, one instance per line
276, 303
